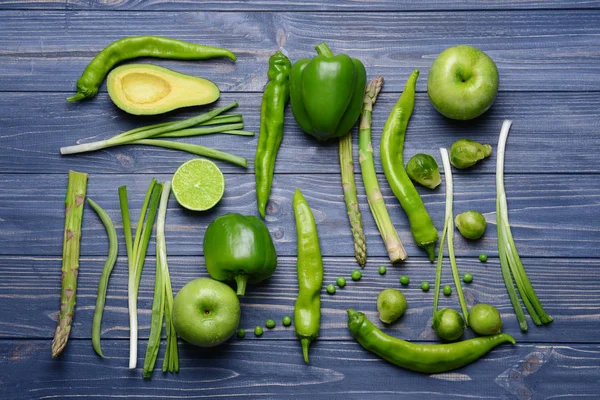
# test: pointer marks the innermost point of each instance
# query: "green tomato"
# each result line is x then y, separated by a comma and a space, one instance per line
270, 324
483, 257
471, 224
465, 153
448, 324
241, 333
447, 290
382, 270
331, 288
356, 275
391, 305
485, 319
341, 281
258, 331
467, 278
206, 312
425, 286
287, 321
404, 280
423, 169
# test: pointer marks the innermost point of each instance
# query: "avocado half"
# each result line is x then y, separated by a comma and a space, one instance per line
146, 89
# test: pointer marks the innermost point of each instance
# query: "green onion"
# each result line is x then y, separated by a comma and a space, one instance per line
162, 304
136, 254
449, 232
113, 250
512, 267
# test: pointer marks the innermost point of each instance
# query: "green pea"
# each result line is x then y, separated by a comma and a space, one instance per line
447, 290
287, 321
258, 331
467, 278
425, 286
241, 333
341, 281
382, 270
270, 324
331, 288
404, 280
356, 275
483, 257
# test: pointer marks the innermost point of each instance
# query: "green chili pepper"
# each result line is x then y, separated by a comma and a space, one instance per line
307, 311
426, 358
135, 47
113, 250
275, 97
327, 93
392, 146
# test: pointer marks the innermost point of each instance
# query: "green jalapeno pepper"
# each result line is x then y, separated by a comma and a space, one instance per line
307, 310
275, 97
135, 47
391, 149
426, 358
327, 93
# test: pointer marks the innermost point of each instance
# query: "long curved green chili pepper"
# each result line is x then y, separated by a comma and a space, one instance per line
275, 97
307, 310
392, 146
113, 250
426, 358
135, 47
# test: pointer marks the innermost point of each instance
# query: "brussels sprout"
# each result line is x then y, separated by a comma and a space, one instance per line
465, 153
423, 169
391, 305
485, 319
470, 224
448, 324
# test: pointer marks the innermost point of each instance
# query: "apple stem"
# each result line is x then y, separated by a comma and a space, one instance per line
305, 343
241, 281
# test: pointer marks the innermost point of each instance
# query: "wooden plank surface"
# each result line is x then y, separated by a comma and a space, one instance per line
543, 128
535, 51
31, 284
276, 370
551, 215
293, 5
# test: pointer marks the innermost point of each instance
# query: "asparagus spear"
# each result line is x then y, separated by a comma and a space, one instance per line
390, 237
349, 185
74, 202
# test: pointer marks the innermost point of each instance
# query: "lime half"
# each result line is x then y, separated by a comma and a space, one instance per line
198, 184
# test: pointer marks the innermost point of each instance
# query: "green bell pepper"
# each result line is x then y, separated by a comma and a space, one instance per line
239, 248
327, 93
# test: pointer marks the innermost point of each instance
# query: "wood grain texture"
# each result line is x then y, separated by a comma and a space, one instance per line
535, 51
276, 370
29, 289
291, 5
543, 128
551, 215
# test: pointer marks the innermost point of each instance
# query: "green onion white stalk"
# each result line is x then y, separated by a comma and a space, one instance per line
449, 233
512, 267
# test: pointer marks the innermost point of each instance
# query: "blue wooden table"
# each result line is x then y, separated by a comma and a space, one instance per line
548, 55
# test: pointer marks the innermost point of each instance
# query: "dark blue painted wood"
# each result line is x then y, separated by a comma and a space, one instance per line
545, 125
30, 286
551, 215
535, 51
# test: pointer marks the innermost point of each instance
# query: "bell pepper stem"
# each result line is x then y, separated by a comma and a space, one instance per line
241, 281
323, 50
305, 343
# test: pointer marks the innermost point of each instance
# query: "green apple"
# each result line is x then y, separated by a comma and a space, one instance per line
462, 82
206, 312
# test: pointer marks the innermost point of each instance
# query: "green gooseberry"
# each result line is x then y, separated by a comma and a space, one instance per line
423, 169
465, 153
391, 305
448, 324
485, 319
471, 224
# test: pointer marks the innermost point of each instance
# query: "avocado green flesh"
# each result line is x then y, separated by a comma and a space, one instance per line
145, 89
